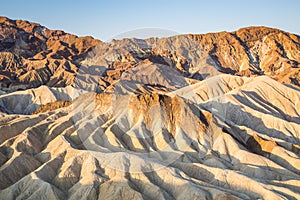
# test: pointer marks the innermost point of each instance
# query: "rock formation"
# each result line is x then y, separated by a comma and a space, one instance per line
32, 55
212, 116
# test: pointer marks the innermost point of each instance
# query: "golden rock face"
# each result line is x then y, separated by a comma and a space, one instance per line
255, 50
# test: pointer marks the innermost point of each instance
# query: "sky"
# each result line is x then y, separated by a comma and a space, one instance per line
137, 18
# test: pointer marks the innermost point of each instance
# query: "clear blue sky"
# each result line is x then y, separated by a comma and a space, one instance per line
105, 19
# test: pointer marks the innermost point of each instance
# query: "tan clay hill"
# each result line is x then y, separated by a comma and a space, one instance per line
228, 144
213, 116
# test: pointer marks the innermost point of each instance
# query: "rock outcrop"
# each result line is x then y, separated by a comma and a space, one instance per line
32, 55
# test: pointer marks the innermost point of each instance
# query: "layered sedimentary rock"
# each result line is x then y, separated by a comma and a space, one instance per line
231, 143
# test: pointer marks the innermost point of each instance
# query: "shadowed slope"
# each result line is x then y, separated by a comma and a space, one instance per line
158, 146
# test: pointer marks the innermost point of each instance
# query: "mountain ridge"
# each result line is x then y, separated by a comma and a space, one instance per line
249, 51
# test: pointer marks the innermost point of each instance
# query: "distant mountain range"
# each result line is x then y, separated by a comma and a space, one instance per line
32, 55
197, 116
